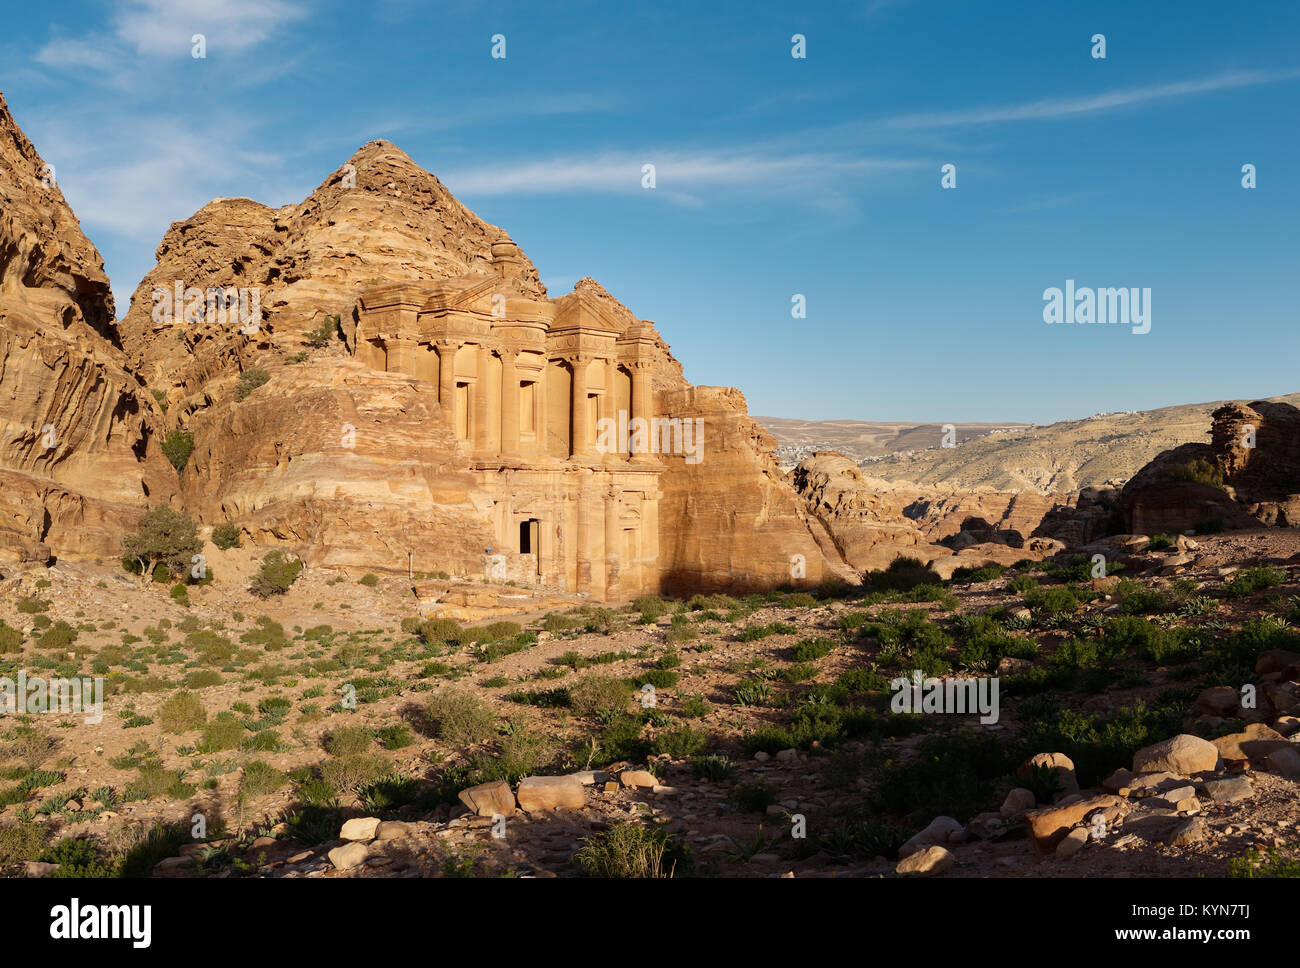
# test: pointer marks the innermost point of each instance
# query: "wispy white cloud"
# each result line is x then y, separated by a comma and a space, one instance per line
675, 172
163, 28
1045, 109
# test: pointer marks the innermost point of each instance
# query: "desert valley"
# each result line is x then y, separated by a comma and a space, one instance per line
378, 560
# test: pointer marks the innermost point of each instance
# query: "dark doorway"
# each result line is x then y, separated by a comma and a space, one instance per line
528, 535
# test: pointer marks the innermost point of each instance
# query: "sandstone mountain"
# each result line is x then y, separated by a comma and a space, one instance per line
1058, 458
347, 449
79, 454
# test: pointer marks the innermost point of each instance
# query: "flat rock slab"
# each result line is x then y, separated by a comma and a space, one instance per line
550, 793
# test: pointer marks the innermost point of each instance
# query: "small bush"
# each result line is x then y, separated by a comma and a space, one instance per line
460, 718
276, 575
182, 713
226, 536
249, 381
630, 850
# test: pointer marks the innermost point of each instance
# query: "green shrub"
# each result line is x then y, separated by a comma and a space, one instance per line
1200, 471
460, 718
810, 650
177, 447
597, 696
259, 779
226, 536
1251, 580
276, 575
249, 381
182, 713
630, 850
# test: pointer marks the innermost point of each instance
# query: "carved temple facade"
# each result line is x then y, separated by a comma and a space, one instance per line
525, 383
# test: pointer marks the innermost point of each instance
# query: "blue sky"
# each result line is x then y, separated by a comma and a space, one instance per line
775, 175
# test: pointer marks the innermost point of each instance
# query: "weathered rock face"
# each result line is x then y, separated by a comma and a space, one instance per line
1255, 447
872, 522
868, 528
349, 466
79, 458
730, 521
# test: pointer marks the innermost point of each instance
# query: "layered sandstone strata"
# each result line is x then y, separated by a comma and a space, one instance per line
79, 455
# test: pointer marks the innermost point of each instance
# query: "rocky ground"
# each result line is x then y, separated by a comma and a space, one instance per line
334, 731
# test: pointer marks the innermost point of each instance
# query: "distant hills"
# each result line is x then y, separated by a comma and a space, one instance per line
1054, 458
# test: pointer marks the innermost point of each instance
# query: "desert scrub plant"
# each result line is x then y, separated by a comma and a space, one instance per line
681, 742
520, 754
1251, 580
249, 381
459, 717
810, 650
226, 536
599, 697
713, 768
1200, 471
1253, 864
223, 731
260, 779
903, 573
177, 447
276, 575
181, 713
349, 741
631, 850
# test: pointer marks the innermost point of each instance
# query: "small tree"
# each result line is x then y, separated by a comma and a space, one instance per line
276, 575
166, 537
177, 447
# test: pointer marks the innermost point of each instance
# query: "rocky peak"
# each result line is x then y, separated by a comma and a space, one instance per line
41, 242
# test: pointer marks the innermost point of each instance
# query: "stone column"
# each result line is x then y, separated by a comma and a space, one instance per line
446, 373
401, 355
509, 404
541, 401
613, 543
479, 407
641, 407
579, 446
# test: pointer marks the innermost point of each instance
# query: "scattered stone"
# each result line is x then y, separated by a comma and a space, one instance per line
1183, 754
641, 779
1218, 701
1252, 744
1285, 761
941, 830
1059, 762
1050, 825
392, 830
490, 799
549, 793
926, 863
1017, 802
359, 828
1117, 781
1229, 790
36, 868
1073, 843
348, 856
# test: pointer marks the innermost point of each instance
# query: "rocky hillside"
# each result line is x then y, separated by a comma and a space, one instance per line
1247, 475
1058, 458
79, 451
860, 439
